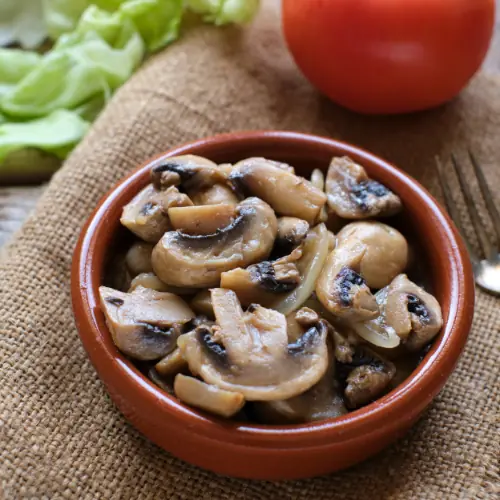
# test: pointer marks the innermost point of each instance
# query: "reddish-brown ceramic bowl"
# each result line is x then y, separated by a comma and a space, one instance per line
277, 452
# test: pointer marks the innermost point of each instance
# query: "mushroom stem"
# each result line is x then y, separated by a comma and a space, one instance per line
207, 397
205, 219
172, 363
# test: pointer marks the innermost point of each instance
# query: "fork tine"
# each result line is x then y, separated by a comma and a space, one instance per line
451, 207
488, 197
471, 207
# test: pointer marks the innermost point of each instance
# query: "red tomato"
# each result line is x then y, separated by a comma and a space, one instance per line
388, 56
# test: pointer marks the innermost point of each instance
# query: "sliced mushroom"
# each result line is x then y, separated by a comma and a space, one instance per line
150, 280
310, 265
368, 382
205, 219
287, 193
138, 258
198, 260
172, 363
144, 324
193, 172
207, 397
202, 303
249, 352
409, 315
146, 215
340, 287
213, 195
414, 313
386, 253
322, 401
306, 317
365, 373
353, 195
265, 282
291, 232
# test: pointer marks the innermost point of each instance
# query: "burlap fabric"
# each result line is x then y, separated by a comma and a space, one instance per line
62, 437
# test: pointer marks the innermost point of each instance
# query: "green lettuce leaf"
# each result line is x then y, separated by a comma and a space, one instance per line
61, 16
47, 101
14, 66
82, 65
222, 12
53, 134
156, 21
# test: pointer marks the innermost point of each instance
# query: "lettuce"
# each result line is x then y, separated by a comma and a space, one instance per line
225, 11
81, 68
15, 65
47, 101
156, 21
62, 16
53, 133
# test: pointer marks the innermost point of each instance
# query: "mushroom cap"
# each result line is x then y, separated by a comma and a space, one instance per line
150, 280
320, 402
144, 324
146, 215
341, 289
193, 172
198, 260
266, 282
138, 258
353, 195
287, 193
291, 232
414, 313
249, 352
366, 374
409, 316
386, 253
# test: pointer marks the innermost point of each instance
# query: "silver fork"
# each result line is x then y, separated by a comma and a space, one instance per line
487, 269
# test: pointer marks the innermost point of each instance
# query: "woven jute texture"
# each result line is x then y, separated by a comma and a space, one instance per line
62, 437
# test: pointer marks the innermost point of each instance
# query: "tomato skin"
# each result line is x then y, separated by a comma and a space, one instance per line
388, 56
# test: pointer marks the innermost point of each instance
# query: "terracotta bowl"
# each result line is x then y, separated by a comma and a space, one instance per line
291, 451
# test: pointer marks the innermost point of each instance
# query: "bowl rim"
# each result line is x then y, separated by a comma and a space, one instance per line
402, 404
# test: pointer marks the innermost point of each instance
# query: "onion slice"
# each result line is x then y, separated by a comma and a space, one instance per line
315, 252
376, 331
